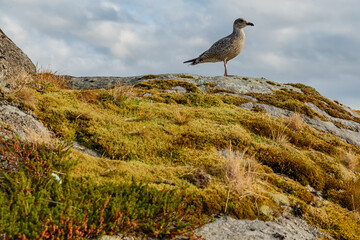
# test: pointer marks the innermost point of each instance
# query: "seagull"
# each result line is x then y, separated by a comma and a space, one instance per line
226, 48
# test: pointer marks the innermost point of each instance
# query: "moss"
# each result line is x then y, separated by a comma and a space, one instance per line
139, 138
335, 221
167, 84
291, 101
208, 84
222, 91
273, 83
292, 165
325, 104
185, 76
291, 187
150, 76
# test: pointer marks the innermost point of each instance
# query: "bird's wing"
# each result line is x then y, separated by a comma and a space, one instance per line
217, 48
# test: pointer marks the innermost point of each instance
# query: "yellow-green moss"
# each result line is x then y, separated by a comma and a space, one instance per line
167, 84
185, 76
150, 76
325, 104
336, 221
291, 187
139, 138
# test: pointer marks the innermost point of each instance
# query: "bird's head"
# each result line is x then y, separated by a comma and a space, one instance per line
241, 23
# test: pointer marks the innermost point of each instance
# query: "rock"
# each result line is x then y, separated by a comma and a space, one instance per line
78, 146
12, 59
236, 84
199, 178
347, 135
177, 89
284, 228
22, 124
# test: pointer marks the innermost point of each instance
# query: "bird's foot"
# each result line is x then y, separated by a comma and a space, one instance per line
227, 75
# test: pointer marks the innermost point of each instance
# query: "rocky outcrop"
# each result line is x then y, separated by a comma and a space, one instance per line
284, 228
12, 59
234, 84
21, 123
347, 130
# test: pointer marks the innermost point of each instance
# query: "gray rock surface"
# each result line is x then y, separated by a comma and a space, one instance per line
21, 123
235, 84
12, 59
227, 228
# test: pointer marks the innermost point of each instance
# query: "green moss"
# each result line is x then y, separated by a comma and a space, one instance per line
273, 83
139, 138
150, 76
291, 187
290, 100
335, 221
292, 165
167, 84
185, 76
208, 84
325, 104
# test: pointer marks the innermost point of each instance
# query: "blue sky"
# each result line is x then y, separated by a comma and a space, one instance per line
312, 42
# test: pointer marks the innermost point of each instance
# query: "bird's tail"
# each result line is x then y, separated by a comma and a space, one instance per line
192, 61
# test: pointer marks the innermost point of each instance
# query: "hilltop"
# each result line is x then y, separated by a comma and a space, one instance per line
163, 155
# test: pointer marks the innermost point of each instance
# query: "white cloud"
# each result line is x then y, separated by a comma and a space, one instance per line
292, 41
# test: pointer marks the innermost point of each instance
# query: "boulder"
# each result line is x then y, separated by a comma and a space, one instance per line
12, 59
21, 123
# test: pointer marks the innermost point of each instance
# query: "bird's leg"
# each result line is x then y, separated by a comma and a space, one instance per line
225, 65
225, 74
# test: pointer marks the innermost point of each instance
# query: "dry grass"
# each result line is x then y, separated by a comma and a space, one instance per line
20, 80
89, 96
278, 135
350, 160
122, 92
182, 117
46, 76
38, 138
240, 171
26, 94
295, 122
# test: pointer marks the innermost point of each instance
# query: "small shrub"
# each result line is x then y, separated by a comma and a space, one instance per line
34, 205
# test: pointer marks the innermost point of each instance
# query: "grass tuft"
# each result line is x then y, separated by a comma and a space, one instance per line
182, 117
295, 122
350, 160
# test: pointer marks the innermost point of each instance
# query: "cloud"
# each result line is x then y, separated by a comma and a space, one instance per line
316, 43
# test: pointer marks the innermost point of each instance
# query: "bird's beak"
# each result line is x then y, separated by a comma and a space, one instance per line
250, 24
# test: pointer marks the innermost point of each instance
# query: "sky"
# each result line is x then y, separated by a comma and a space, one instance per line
316, 43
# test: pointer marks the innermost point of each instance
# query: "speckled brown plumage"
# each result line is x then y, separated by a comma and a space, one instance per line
226, 48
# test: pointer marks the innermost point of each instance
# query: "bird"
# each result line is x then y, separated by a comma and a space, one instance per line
226, 48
